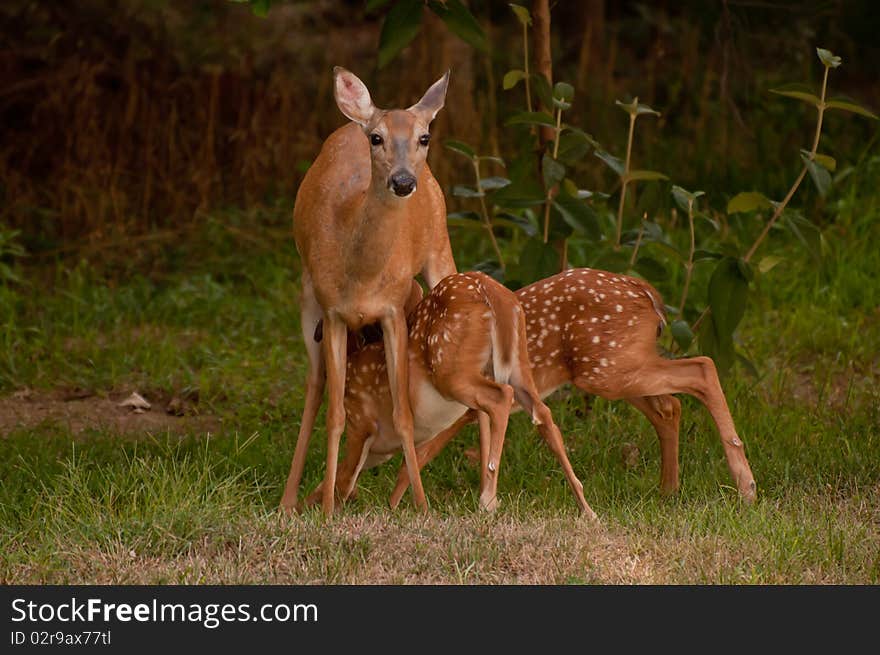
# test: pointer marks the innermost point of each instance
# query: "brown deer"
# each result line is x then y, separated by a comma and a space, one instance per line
369, 217
599, 330
467, 350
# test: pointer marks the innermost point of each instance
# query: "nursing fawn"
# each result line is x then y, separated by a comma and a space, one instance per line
598, 331
467, 351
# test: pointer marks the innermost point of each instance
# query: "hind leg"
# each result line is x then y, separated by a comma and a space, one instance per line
531, 402
664, 413
494, 400
697, 376
311, 315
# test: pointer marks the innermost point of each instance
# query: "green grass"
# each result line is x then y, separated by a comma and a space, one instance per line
98, 506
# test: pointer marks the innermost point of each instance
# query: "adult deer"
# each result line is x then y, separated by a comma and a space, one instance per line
369, 217
599, 330
467, 350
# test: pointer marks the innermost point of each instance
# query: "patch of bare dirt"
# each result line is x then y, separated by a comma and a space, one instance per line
78, 411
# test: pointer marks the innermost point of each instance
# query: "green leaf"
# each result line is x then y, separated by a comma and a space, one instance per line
798, 91
460, 22
701, 255
563, 91
532, 118
520, 193
552, 171
522, 14
748, 201
470, 216
466, 192
612, 260
768, 263
541, 87
821, 177
682, 334
572, 148
561, 104
828, 58
491, 183
647, 176
728, 291
537, 261
580, 216
805, 232
512, 78
611, 161
846, 104
400, 27
497, 160
683, 197
635, 109
651, 269
577, 132
460, 147
514, 222
826, 161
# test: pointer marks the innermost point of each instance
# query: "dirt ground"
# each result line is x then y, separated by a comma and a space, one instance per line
78, 411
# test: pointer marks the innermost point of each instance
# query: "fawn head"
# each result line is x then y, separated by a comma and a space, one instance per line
399, 137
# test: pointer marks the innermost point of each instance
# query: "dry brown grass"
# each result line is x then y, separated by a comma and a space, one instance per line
377, 548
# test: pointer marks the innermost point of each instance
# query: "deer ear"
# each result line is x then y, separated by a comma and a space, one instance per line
433, 100
352, 96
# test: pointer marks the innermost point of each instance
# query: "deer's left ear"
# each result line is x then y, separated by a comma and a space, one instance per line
433, 100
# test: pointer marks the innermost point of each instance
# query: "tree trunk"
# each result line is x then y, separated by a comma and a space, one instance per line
543, 55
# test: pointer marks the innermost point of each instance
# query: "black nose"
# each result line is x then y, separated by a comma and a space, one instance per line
403, 184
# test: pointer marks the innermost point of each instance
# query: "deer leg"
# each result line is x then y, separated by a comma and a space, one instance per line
396, 338
528, 397
664, 413
698, 377
315, 379
426, 452
493, 400
357, 449
335, 342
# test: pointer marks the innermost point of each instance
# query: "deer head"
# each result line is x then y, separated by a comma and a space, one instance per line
399, 137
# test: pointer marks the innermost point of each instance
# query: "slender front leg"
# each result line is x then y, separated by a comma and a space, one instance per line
426, 452
397, 360
315, 377
335, 342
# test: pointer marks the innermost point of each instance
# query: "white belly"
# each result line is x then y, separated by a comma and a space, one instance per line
432, 413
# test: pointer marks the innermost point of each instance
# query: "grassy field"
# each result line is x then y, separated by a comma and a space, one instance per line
90, 492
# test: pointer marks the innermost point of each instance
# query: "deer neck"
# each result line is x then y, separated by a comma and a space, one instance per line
377, 227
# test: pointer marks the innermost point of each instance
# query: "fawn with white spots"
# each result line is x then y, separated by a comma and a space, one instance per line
467, 350
598, 331
369, 217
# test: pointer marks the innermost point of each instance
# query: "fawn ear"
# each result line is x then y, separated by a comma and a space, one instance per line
352, 96
433, 100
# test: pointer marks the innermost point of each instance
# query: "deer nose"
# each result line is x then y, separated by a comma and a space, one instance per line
403, 184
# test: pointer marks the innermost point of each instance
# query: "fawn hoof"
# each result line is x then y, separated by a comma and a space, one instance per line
488, 504
748, 490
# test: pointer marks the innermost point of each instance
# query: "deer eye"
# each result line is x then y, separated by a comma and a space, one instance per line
376, 140
423, 140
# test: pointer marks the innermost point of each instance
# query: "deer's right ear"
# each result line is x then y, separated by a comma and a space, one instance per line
352, 96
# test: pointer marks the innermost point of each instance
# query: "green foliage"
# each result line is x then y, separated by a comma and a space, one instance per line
404, 21
579, 228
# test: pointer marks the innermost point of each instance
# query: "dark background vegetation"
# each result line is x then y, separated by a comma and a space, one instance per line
125, 123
